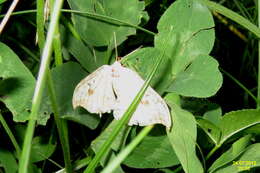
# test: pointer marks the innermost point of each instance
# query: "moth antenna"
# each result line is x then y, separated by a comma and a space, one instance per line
117, 59
94, 54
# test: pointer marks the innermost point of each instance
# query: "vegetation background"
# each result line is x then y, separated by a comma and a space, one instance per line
201, 56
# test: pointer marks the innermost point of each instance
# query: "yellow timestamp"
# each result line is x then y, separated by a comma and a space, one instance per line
243, 165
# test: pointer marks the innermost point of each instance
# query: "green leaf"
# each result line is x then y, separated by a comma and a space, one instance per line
154, 151
8, 162
184, 29
101, 33
65, 78
214, 114
17, 87
237, 148
142, 59
249, 159
236, 121
2, 1
118, 142
182, 137
210, 129
200, 79
83, 53
41, 149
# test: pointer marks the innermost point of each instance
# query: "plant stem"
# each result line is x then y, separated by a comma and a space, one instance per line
45, 60
40, 23
127, 150
95, 16
61, 125
212, 152
240, 84
10, 134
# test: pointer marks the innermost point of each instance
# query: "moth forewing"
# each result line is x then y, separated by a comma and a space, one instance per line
94, 92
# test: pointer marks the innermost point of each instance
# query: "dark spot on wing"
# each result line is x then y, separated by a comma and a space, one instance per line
90, 92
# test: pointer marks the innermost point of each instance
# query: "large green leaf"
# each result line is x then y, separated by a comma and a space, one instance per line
101, 33
200, 79
187, 36
65, 78
236, 121
17, 87
182, 137
154, 151
237, 148
184, 31
246, 161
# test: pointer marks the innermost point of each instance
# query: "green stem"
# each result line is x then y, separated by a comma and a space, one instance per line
212, 151
94, 16
233, 16
127, 115
57, 48
40, 23
45, 60
10, 134
127, 150
61, 126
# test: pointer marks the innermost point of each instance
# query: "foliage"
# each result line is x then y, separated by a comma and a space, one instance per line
178, 48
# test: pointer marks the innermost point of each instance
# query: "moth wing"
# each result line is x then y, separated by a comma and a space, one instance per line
151, 110
95, 92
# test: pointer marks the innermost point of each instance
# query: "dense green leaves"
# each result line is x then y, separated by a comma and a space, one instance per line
101, 33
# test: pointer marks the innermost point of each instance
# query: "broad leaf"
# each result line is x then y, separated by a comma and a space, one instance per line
187, 36
236, 121
101, 33
182, 137
184, 29
65, 78
200, 79
154, 151
17, 87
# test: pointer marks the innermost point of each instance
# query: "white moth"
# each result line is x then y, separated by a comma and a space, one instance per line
114, 88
